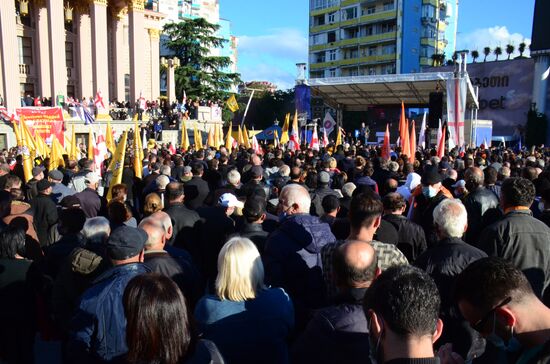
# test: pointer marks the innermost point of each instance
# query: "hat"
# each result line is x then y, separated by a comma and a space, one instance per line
229, 200
254, 207
43, 185
56, 175
256, 171
36, 171
323, 177
187, 169
444, 165
69, 202
460, 183
126, 242
430, 176
91, 178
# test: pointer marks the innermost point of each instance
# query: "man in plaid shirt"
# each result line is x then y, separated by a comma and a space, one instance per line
365, 214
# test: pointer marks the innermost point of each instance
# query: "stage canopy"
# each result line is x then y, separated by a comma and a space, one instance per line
358, 93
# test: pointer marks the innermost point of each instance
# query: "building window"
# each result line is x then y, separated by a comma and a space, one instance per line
389, 6
427, 51
69, 54
332, 72
371, 10
331, 17
332, 55
319, 57
127, 87
319, 20
428, 11
25, 50
373, 51
70, 91
372, 71
388, 69
369, 30
331, 37
349, 13
390, 49
354, 72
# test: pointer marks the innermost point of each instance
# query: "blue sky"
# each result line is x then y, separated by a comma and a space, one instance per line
273, 34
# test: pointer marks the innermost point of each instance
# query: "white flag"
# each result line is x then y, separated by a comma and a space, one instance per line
422, 137
456, 107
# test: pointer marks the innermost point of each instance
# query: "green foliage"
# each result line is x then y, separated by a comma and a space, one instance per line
199, 74
475, 55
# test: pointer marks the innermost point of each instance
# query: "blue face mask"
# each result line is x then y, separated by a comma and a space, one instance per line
513, 345
429, 192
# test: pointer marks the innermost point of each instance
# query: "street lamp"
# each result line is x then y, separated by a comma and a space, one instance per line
170, 64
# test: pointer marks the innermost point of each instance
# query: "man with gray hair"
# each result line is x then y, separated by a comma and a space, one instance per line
292, 258
443, 262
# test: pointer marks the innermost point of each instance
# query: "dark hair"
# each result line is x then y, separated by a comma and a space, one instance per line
173, 191
364, 208
517, 191
529, 173
338, 181
11, 180
17, 194
407, 299
393, 201
119, 190
488, 281
5, 203
491, 175
12, 242
118, 212
295, 172
157, 323
197, 168
330, 203
86, 163
349, 274
71, 220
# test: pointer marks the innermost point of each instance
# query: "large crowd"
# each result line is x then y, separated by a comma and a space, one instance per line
330, 256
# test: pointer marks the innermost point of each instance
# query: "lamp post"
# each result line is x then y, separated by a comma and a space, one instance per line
170, 64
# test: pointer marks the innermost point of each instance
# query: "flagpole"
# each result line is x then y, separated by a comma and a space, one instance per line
247, 105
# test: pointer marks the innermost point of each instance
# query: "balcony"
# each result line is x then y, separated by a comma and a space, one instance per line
430, 2
369, 39
24, 69
382, 15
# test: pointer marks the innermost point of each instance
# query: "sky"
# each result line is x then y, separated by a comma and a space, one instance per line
273, 35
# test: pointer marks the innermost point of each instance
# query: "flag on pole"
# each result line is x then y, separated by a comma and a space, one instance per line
118, 164
138, 161
99, 100
23, 149
216, 136
228, 140
91, 144
422, 136
56, 154
142, 104
210, 137
276, 141
325, 137
184, 100
184, 137
256, 146
439, 131
232, 103
402, 127
240, 138
109, 138
441, 143
246, 137
314, 144
73, 152
456, 107
412, 144
386, 147
284, 133
197, 136
338, 136
294, 141
100, 150
406, 149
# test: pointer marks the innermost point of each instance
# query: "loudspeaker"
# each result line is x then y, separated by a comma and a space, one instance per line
436, 109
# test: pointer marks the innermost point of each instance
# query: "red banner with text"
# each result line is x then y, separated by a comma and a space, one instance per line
46, 121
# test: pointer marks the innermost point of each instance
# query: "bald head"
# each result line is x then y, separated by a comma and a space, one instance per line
166, 222
155, 233
474, 177
355, 264
294, 199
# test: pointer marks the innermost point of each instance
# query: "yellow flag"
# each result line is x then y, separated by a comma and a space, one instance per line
216, 136
41, 147
338, 136
210, 138
56, 155
109, 138
91, 144
73, 152
138, 161
220, 135
28, 137
246, 138
228, 141
240, 138
284, 135
198, 138
16, 130
23, 149
232, 103
118, 164
184, 137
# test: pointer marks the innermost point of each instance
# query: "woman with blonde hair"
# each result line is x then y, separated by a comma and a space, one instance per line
247, 321
153, 203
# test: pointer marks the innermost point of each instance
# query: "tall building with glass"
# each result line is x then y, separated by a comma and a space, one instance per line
376, 37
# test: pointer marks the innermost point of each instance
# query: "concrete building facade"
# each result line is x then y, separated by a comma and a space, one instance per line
373, 37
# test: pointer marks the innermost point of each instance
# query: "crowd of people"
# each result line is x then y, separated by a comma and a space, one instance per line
330, 256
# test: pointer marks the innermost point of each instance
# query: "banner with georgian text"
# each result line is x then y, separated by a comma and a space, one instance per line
46, 121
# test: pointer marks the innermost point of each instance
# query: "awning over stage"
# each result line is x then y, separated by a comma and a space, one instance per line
357, 93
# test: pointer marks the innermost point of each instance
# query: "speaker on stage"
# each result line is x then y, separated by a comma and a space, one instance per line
436, 109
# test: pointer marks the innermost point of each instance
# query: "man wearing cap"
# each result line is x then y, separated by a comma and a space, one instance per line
90, 201
254, 213
322, 190
426, 197
59, 190
30, 188
78, 181
255, 186
45, 212
98, 328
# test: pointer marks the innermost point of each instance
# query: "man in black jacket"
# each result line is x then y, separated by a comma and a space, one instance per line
323, 189
45, 213
338, 333
411, 238
254, 212
481, 204
518, 237
443, 262
183, 219
196, 190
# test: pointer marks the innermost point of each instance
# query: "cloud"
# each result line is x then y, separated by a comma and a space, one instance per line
491, 37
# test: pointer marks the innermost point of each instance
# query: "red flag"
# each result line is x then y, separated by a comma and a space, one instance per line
99, 100
402, 127
441, 143
412, 144
386, 149
406, 149
314, 144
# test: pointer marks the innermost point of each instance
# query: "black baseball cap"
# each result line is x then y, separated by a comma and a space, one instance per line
43, 185
254, 208
126, 242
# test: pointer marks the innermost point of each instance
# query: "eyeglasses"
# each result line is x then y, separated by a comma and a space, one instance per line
478, 326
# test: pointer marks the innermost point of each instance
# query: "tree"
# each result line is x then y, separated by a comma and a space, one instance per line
199, 74
521, 49
434, 58
497, 51
510, 49
486, 52
475, 55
